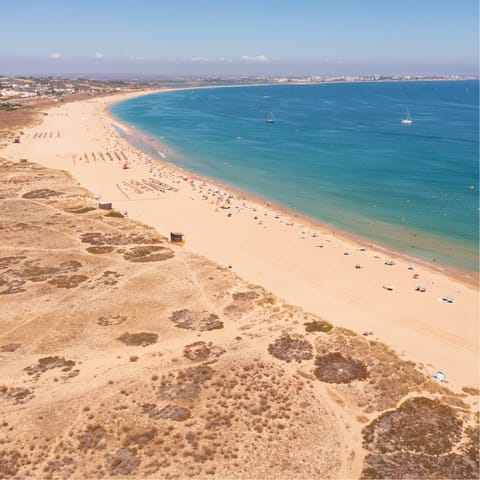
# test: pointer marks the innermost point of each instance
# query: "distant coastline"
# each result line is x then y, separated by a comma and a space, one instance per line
63, 86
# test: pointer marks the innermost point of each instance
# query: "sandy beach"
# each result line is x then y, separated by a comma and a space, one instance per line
314, 268
232, 356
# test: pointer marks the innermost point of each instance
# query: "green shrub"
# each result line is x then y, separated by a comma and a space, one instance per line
318, 326
115, 214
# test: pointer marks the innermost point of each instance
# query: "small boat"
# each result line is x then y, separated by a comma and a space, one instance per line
270, 118
407, 120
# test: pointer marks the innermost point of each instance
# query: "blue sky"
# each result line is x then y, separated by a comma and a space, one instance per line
277, 37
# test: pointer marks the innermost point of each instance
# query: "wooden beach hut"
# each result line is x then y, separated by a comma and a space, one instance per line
105, 205
177, 237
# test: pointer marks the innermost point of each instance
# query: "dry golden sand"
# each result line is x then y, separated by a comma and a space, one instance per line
125, 356
28, 112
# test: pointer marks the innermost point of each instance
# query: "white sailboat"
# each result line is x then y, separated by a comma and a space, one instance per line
270, 119
407, 120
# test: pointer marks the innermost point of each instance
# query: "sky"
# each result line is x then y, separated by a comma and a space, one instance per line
240, 37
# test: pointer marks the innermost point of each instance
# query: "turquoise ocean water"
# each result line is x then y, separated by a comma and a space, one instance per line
338, 154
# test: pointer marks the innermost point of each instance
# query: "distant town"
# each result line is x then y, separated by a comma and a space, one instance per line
24, 87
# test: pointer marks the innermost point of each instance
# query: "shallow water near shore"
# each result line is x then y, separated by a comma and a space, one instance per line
338, 153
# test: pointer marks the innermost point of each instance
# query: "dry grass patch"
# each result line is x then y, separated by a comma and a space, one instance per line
115, 214
80, 210
266, 299
109, 278
418, 425
422, 438
291, 347
38, 273
197, 375
318, 326
10, 462
7, 261
99, 250
32, 271
64, 466
49, 363
200, 321
389, 377
150, 253
106, 321
92, 437
65, 281
16, 394
41, 193
138, 339
123, 462
183, 391
70, 266
10, 347
245, 296
140, 437
202, 352
173, 412
98, 238
146, 238
13, 286
335, 368
12, 118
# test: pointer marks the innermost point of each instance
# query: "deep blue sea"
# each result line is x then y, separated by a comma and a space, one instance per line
338, 153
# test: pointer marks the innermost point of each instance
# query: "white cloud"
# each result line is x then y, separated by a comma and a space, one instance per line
211, 59
98, 55
201, 59
137, 59
55, 55
257, 58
